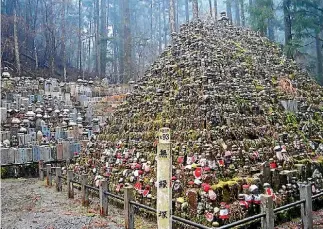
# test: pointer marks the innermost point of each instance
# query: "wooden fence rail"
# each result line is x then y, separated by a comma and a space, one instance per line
266, 216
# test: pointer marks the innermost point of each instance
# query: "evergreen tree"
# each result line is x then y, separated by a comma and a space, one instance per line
261, 14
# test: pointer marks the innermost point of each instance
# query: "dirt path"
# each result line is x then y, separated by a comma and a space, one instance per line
28, 204
296, 223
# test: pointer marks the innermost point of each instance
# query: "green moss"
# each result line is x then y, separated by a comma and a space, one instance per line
270, 110
320, 160
240, 49
259, 88
4, 172
303, 161
291, 118
291, 76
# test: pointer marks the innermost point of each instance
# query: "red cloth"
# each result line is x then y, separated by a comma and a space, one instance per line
273, 165
206, 187
180, 160
145, 192
209, 216
244, 203
198, 173
138, 186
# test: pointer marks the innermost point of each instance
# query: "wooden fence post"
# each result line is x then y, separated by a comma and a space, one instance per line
70, 190
164, 174
58, 180
306, 209
84, 190
128, 208
103, 198
267, 207
41, 169
49, 174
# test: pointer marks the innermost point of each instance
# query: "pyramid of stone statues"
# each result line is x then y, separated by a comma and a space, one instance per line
232, 101
219, 87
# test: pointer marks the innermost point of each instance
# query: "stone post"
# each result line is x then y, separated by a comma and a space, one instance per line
84, 190
164, 172
70, 190
128, 208
267, 207
103, 198
49, 174
306, 209
58, 179
41, 169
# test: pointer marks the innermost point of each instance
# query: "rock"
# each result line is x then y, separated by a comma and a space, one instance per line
232, 101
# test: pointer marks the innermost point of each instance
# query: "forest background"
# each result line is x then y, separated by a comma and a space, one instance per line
119, 39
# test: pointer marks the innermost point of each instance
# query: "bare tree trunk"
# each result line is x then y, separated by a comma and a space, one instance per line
15, 36
187, 14
151, 19
319, 47
79, 38
165, 26
52, 46
215, 10
288, 24
271, 30
243, 17
237, 12
89, 43
172, 16
27, 27
97, 39
229, 11
34, 36
177, 15
121, 37
195, 7
34, 30
52, 56
96, 36
159, 28
63, 40
36, 58
134, 33
154, 26
103, 35
127, 42
319, 57
115, 41
250, 8
210, 8
107, 34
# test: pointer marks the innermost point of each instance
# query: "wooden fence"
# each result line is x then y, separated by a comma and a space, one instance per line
267, 215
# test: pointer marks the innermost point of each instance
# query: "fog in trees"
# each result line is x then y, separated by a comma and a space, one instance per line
119, 39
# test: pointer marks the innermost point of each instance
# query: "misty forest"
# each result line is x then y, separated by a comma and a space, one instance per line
119, 39
161, 114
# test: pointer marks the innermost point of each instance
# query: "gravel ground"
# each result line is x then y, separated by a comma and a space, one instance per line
295, 224
29, 204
